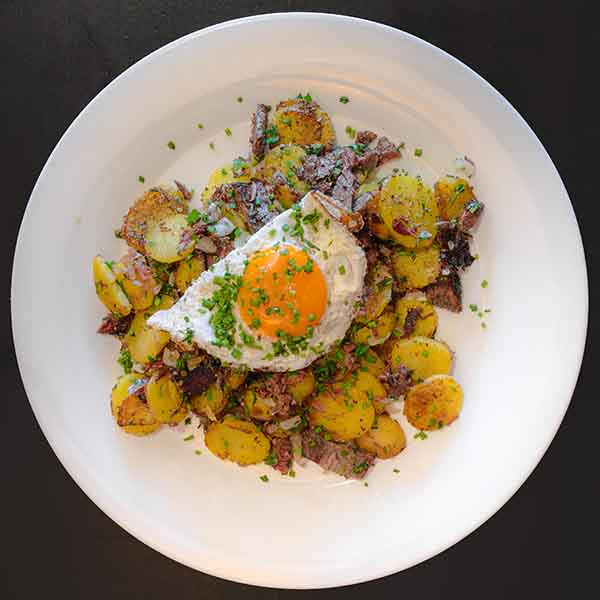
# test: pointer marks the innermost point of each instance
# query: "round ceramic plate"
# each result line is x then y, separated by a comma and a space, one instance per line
518, 374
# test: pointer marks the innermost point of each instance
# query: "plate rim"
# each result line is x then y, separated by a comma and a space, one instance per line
86, 485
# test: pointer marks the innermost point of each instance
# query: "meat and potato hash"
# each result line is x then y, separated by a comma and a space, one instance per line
414, 242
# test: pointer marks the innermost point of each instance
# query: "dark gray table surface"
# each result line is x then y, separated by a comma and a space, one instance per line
55, 57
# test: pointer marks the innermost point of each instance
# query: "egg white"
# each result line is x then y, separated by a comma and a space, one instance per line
334, 249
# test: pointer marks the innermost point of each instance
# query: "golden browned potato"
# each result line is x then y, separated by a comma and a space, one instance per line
377, 331
414, 269
235, 379
345, 409
259, 406
179, 415
372, 363
145, 343
164, 239
236, 440
301, 385
188, 271
409, 211
378, 284
164, 398
211, 402
120, 391
422, 356
452, 195
433, 404
135, 417
303, 123
154, 206
108, 289
284, 160
386, 438
422, 318
225, 174
136, 279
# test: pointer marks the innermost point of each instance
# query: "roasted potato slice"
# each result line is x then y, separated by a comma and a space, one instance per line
235, 379
415, 269
377, 331
236, 440
164, 398
136, 279
135, 417
188, 271
422, 356
415, 318
372, 363
284, 161
179, 415
345, 409
145, 343
452, 195
301, 384
378, 285
120, 391
303, 123
409, 211
164, 239
225, 174
259, 407
211, 402
154, 206
386, 438
108, 288
433, 404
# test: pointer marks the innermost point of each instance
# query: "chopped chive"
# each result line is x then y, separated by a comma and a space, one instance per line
211, 145
418, 151
171, 145
240, 99
200, 126
344, 99
264, 478
188, 437
141, 178
228, 132
484, 283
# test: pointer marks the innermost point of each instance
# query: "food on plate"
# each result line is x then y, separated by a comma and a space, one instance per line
434, 403
292, 306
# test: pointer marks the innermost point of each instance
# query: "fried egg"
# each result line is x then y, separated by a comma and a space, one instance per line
279, 301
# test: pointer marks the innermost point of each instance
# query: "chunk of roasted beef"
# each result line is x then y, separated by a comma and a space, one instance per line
341, 458
455, 252
446, 292
282, 448
199, 379
254, 201
260, 119
113, 325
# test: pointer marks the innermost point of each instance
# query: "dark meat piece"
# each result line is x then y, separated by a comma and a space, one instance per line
365, 137
412, 316
470, 215
386, 151
199, 379
344, 188
187, 195
454, 243
321, 172
275, 389
113, 325
446, 292
397, 383
343, 459
401, 226
257, 133
255, 202
282, 448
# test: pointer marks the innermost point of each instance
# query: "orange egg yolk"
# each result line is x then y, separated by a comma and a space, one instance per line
283, 290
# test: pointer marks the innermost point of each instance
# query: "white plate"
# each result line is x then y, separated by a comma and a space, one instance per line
519, 374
